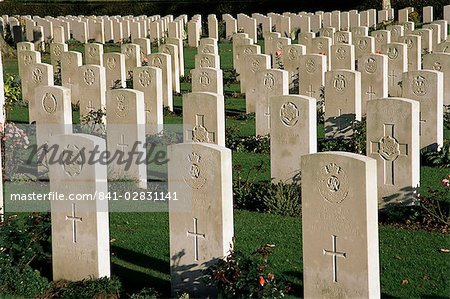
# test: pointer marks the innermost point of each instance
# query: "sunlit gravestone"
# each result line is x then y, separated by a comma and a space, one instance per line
80, 228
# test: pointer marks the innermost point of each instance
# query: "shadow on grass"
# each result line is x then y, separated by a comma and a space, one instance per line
296, 287
134, 280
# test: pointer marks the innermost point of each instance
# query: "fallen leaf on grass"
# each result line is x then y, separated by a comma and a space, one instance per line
112, 240
444, 250
426, 277
405, 281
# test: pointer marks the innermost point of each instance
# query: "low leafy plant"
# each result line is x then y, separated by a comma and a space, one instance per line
14, 141
94, 122
241, 275
248, 194
355, 144
57, 76
252, 144
25, 241
21, 282
447, 117
437, 158
437, 205
103, 287
12, 91
430, 212
146, 293
129, 80
283, 199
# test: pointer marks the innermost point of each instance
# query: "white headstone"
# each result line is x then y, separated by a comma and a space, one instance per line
340, 226
125, 134
427, 87
201, 220
204, 116
80, 229
393, 140
293, 133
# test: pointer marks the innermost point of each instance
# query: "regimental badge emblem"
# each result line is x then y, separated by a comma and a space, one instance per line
145, 78
392, 52
340, 53
340, 83
204, 79
73, 160
389, 148
37, 75
49, 103
370, 65
437, 66
255, 65
292, 53
310, 65
57, 50
363, 44
92, 51
111, 63
194, 174
419, 85
333, 183
269, 81
122, 105
289, 114
89, 77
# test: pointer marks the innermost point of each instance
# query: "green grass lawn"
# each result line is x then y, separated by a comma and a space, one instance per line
411, 264
141, 253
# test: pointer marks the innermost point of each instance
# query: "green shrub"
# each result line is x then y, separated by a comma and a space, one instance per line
355, 144
251, 144
283, 199
241, 275
146, 293
21, 281
447, 117
103, 287
13, 92
25, 240
437, 158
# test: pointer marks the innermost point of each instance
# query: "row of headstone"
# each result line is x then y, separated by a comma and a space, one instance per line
336, 188
101, 29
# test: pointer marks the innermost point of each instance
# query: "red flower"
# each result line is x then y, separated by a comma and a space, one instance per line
262, 281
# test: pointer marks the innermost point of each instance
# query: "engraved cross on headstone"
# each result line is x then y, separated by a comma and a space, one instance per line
335, 254
90, 106
74, 220
392, 76
389, 150
370, 92
122, 143
421, 122
339, 120
196, 236
200, 133
267, 115
147, 112
310, 91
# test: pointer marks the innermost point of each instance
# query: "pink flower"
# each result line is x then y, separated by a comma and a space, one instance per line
445, 183
278, 53
145, 59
